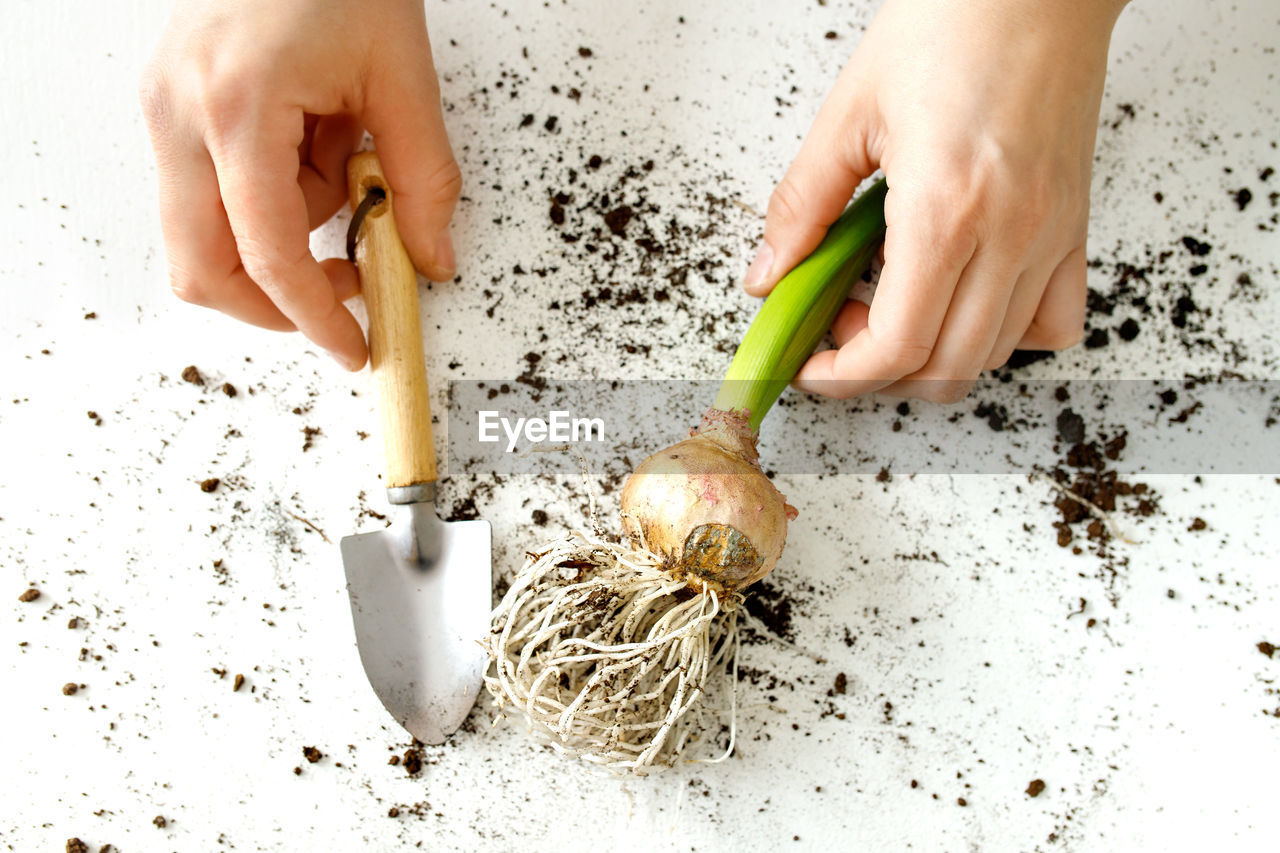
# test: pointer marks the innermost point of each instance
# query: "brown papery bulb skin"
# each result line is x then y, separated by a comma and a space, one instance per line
705, 506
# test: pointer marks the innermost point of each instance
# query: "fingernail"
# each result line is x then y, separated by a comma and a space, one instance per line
347, 362
758, 272
445, 261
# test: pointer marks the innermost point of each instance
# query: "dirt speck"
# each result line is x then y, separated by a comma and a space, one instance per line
1036, 788
771, 606
618, 218
1070, 427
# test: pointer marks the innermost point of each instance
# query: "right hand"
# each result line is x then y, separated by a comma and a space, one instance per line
253, 110
982, 115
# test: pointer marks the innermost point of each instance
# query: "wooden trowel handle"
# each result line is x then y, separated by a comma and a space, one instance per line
390, 288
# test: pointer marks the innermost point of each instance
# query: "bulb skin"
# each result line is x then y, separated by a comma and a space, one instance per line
705, 506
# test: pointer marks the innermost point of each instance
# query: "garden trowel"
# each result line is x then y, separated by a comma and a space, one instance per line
421, 589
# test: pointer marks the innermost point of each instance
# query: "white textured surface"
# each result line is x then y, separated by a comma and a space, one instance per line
1149, 728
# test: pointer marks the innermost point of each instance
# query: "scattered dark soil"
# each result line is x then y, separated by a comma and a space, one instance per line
1086, 471
160, 821
29, 595
412, 761
237, 683
464, 510
70, 688
1023, 357
75, 845
1036, 788
1070, 427
996, 415
308, 437
1266, 648
841, 685
229, 389
772, 607
540, 517
192, 375
209, 485
618, 218
312, 754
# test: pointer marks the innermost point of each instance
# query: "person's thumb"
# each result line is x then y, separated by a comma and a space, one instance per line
403, 114
832, 162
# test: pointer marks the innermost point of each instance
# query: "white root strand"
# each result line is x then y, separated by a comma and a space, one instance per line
1094, 510
608, 657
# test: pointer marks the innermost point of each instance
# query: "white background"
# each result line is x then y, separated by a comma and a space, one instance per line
1150, 729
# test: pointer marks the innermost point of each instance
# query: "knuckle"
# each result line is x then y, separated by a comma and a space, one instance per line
903, 357
264, 265
153, 96
955, 237
445, 180
220, 110
785, 201
282, 276
224, 97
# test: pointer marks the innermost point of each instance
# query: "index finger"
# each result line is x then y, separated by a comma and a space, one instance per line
257, 171
925, 253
